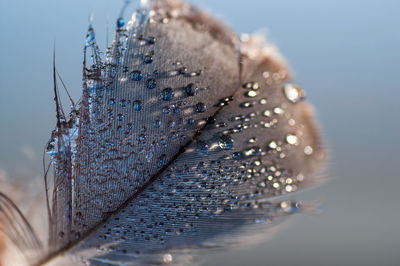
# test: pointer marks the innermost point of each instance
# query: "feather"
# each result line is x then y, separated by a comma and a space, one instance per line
185, 139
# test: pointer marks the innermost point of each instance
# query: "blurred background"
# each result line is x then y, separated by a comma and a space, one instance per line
345, 53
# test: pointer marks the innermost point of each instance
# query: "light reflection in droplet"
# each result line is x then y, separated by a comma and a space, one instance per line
292, 139
308, 150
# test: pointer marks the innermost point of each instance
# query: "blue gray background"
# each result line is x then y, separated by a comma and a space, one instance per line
345, 53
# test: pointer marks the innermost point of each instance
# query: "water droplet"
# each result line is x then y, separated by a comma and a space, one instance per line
279, 111
183, 70
167, 94
225, 101
148, 59
151, 83
136, 75
90, 37
251, 94
251, 85
123, 103
246, 105
157, 123
177, 110
252, 140
226, 142
293, 93
267, 113
167, 258
292, 139
254, 151
289, 188
272, 145
137, 105
201, 108
166, 110
151, 40
120, 22
143, 138
237, 155
171, 124
191, 89
308, 150
202, 146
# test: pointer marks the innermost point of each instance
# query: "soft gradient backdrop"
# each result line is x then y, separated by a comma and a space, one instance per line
345, 53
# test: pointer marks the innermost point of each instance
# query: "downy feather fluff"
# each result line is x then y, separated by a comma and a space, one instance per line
184, 141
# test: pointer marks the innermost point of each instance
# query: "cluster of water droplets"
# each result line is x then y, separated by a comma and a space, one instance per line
225, 176
126, 136
140, 108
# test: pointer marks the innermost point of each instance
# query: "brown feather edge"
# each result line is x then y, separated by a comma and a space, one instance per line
199, 20
258, 53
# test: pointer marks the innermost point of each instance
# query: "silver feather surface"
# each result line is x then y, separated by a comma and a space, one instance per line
185, 140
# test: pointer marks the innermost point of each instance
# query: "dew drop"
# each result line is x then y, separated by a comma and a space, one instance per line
308, 150
157, 123
267, 113
279, 111
237, 155
151, 40
120, 22
272, 145
148, 59
292, 139
151, 83
201, 108
183, 70
251, 94
90, 37
203, 146
166, 110
289, 188
254, 151
246, 105
252, 140
137, 105
191, 89
171, 124
167, 94
292, 93
226, 142
136, 75
167, 258
251, 86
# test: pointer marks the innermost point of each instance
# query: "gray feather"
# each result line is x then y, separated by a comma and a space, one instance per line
183, 140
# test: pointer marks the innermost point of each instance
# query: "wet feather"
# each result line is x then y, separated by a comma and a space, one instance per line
183, 140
